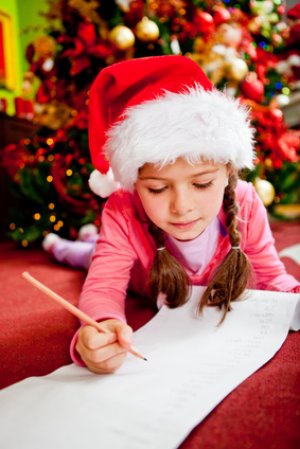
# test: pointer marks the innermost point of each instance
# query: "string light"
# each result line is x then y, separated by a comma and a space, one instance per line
37, 216
51, 206
50, 141
24, 243
69, 172
49, 178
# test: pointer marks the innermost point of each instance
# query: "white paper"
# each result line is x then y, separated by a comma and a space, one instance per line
192, 365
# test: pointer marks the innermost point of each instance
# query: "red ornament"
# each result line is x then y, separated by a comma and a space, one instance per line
276, 114
204, 22
221, 15
252, 88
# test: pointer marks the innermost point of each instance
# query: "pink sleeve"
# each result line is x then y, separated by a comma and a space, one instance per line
104, 291
269, 271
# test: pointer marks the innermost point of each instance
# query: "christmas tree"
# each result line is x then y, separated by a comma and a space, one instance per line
243, 46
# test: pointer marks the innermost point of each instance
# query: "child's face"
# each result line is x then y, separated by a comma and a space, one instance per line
180, 198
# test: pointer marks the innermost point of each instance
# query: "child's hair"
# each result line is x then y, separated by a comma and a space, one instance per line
230, 279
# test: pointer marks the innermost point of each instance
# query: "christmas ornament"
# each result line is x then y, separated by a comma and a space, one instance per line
261, 8
237, 69
282, 100
44, 46
256, 24
252, 88
121, 37
265, 191
221, 15
204, 22
276, 114
146, 30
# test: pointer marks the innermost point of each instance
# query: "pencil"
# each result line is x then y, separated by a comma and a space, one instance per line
73, 309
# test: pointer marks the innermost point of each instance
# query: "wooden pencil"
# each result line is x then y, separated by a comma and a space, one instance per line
73, 309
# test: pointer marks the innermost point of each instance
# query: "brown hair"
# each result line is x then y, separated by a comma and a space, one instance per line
167, 274
230, 279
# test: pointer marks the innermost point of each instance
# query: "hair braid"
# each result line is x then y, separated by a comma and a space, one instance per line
167, 275
231, 277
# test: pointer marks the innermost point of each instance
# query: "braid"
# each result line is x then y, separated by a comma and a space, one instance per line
231, 277
167, 275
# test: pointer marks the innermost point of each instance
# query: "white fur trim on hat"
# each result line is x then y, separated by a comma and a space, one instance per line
103, 185
194, 124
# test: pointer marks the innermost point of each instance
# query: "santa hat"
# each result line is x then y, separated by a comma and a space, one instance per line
156, 109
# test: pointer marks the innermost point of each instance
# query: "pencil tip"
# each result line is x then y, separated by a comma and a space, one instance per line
144, 358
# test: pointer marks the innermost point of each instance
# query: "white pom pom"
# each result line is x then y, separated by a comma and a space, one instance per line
49, 241
103, 185
87, 231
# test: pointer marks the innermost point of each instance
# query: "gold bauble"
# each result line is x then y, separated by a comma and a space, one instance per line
265, 191
122, 37
237, 69
255, 24
146, 30
44, 46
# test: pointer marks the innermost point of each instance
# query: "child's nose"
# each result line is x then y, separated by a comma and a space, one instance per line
181, 203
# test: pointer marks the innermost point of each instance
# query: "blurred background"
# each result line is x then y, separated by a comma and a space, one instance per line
50, 53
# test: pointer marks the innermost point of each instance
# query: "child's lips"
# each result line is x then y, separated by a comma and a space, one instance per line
185, 225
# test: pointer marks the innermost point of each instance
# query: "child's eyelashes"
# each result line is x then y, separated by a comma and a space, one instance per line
203, 185
156, 191
198, 186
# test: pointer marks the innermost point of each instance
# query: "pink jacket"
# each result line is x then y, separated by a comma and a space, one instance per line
125, 253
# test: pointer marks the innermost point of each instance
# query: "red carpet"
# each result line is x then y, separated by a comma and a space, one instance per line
263, 412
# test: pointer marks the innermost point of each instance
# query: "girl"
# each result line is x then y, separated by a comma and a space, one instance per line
171, 146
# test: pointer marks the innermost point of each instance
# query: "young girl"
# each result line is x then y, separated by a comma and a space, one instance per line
171, 146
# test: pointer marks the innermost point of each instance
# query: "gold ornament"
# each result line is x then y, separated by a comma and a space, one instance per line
147, 30
265, 191
44, 46
255, 24
122, 37
237, 69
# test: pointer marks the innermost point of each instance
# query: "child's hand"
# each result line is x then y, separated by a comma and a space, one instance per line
104, 353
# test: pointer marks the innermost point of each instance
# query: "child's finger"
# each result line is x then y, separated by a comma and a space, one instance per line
124, 334
108, 366
92, 339
100, 356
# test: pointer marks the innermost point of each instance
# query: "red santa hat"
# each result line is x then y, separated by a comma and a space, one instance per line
156, 109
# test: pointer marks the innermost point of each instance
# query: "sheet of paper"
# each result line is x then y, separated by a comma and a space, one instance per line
192, 365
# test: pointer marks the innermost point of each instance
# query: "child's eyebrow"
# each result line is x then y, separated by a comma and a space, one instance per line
194, 175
